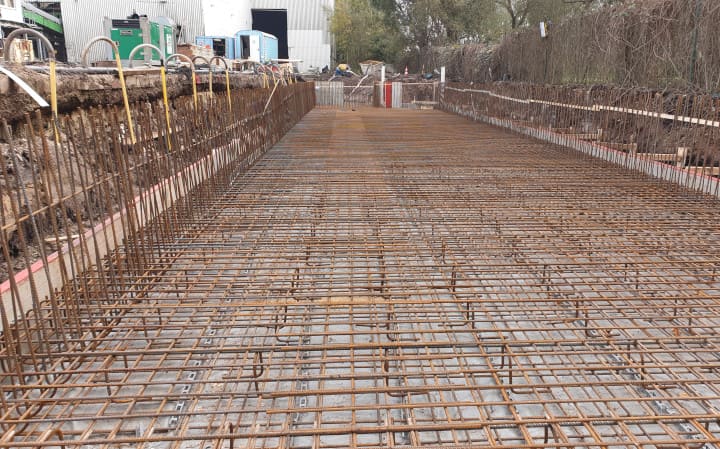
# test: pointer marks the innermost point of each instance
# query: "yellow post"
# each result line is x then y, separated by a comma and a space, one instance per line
126, 100
194, 87
54, 98
163, 75
227, 83
121, 76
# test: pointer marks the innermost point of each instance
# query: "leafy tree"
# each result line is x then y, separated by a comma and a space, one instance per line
432, 23
406, 30
439, 22
363, 30
388, 8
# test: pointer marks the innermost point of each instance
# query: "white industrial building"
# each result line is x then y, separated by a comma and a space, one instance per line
11, 16
11, 11
304, 23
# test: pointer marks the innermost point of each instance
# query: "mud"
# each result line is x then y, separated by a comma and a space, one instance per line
78, 90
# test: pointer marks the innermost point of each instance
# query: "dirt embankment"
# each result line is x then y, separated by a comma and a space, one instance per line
34, 176
80, 90
31, 176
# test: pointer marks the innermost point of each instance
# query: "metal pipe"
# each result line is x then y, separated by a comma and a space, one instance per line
10, 39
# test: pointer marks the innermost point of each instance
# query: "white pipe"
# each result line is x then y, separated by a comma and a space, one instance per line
599, 107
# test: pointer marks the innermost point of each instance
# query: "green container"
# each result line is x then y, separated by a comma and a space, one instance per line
129, 33
170, 47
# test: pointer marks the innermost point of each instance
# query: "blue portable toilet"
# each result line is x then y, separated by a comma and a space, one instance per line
222, 46
256, 46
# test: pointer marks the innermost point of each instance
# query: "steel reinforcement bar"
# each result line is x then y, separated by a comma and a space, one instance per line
669, 136
407, 279
85, 218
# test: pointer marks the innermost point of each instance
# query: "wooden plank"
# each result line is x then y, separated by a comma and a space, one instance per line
707, 171
660, 157
626, 147
671, 158
425, 105
585, 136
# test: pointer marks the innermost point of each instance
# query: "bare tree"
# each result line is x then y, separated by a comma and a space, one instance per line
516, 9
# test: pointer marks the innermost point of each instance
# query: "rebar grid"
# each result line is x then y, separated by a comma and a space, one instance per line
668, 135
107, 204
406, 279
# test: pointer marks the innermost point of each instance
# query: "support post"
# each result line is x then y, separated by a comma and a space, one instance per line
382, 86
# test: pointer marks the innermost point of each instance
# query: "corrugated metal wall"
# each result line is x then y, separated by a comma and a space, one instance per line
12, 14
83, 19
302, 14
397, 95
225, 18
309, 36
330, 93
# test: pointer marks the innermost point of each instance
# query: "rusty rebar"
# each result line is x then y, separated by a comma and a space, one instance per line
377, 279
